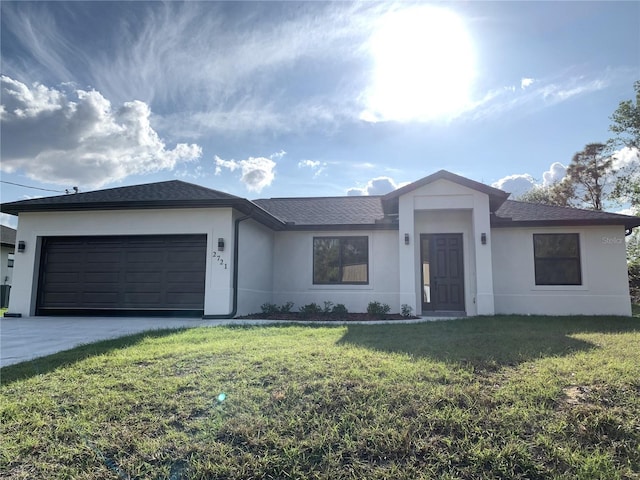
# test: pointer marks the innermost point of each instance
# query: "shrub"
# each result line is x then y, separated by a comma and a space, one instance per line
310, 309
286, 308
339, 309
378, 309
406, 310
269, 308
328, 307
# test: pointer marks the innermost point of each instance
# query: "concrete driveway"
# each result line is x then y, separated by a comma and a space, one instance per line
27, 338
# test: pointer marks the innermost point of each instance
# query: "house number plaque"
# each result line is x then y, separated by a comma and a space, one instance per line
220, 260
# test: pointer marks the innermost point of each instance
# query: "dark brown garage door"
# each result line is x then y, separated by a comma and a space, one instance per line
129, 275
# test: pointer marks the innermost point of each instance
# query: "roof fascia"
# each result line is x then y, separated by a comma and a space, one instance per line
563, 223
341, 227
244, 206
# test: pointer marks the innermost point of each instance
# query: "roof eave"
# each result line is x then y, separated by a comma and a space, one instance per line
341, 227
564, 223
240, 204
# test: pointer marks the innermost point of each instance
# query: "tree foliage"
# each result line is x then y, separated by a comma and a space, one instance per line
590, 171
559, 194
626, 121
626, 126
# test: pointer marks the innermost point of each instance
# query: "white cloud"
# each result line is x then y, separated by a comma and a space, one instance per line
515, 184
375, 186
526, 82
521, 183
77, 138
556, 172
626, 157
257, 172
315, 165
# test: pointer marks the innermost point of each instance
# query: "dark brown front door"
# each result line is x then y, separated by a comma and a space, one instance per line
442, 272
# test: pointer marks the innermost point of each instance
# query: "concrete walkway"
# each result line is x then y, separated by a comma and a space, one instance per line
24, 339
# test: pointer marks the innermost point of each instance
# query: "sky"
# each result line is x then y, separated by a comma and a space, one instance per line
286, 99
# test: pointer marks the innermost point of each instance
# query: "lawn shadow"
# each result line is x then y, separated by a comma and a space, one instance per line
488, 341
49, 363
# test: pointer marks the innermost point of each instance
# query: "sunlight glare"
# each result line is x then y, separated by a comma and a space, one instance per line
424, 66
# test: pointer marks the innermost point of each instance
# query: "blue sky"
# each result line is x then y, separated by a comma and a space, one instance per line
273, 99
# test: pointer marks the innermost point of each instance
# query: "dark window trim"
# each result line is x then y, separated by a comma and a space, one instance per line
577, 259
340, 239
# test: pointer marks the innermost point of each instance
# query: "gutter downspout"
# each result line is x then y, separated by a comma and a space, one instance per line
236, 242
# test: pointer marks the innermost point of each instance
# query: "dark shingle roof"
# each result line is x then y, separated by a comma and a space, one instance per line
325, 211
170, 191
310, 212
169, 194
7, 236
515, 213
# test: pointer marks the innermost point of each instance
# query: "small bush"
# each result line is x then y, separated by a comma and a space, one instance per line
286, 308
328, 307
339, 309
406, 310
310, 309
269, 308
378, 309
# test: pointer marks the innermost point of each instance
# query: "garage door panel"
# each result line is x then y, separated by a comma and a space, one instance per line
185, 277
123, 273
103, 276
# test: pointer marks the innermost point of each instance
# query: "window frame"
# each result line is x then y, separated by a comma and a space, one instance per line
551, 259
340, 239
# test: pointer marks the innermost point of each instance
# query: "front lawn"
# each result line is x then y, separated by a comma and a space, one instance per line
500, 397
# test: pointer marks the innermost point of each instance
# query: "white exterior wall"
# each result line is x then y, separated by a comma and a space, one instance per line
6, 273
446, 207
604, 289
255, 267
293, 271
214, 222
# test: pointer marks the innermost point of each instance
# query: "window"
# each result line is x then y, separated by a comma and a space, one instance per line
557, 259
339, 260
10, 260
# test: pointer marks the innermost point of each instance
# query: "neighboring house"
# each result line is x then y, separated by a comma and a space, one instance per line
442, 245
7, 246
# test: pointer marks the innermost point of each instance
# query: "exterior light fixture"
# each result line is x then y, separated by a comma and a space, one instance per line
483, 238
21, 246
221, 244
406, 239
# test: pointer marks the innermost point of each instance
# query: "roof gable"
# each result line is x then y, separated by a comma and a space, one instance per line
496, 196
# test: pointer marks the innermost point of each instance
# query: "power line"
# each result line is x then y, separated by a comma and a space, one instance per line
35, 188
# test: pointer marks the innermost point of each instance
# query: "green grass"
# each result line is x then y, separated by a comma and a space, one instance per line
499, 397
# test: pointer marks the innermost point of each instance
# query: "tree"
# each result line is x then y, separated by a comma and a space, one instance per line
626, 126
626, 122
590, 171
559, 194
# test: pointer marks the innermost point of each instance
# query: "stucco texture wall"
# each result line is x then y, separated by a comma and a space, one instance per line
215, 223
604, 289
293, 271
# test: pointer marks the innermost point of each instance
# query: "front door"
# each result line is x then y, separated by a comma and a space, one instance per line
442, 272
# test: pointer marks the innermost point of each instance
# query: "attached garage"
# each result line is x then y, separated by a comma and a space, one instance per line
128, 275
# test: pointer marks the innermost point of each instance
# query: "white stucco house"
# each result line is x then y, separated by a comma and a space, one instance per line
7, 246
442, 245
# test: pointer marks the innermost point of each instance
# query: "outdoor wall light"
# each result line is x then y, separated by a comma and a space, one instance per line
221, 244
21, 246
406, 239
483, 238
